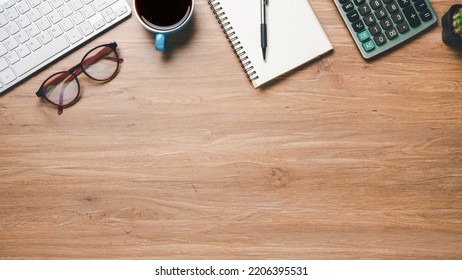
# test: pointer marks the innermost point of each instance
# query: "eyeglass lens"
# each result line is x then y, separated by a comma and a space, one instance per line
101, 63
61, 88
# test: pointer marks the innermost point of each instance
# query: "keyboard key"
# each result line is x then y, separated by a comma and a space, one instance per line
46, 8
56, 3
11, 43
33, 30
12, 57
88, 11
13, 28
34, 3
3, 64
74, 35
76, 5
411, 16
44, 24
100, 23
33, 44
22, 36
66, 11
8, 4
77, 18
110, 18
103, 4
23, 7
12, 14
3, 50
55, 17
3, 34
121, 11
34, 15
7, 76
45, 37
40, 56
67, 24
3, 20
23, 51
86, 28
24, 21
56, 31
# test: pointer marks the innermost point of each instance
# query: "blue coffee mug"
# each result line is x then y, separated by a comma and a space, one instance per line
162, 33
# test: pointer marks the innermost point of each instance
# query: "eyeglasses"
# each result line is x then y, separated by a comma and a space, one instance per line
62, 89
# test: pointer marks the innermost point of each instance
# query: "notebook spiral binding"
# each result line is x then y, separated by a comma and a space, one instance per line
233, 39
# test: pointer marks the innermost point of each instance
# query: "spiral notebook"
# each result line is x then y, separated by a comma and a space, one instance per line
295, 35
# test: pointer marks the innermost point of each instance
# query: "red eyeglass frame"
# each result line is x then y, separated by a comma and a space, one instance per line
76, 71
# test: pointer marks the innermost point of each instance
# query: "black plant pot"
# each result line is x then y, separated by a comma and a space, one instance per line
449, 37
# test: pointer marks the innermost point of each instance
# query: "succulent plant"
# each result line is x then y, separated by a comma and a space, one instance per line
457, 23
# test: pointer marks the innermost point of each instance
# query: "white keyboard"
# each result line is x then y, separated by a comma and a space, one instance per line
33, 33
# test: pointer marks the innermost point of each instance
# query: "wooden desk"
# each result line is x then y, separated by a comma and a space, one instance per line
180, 157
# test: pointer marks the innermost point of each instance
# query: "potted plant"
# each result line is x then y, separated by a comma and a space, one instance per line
452, 26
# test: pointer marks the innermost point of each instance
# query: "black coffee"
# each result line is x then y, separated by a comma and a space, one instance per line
163, 14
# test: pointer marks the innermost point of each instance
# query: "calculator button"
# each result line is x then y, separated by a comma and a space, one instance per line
343, 1
364, 36
398, 17
369, 19
353, 16
375, 4
381, 13
359, 2
426, 15
420, 5
392, 8
411, 16
386, 23
386, 1
375, 29
358, 26
369, 46
404, 3
391, 33
380, 39
348, 7
403, 27
364, 9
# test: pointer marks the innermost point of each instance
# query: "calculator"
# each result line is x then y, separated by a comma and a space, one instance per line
379, 25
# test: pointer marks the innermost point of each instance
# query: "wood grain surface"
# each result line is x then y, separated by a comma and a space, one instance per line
179, 157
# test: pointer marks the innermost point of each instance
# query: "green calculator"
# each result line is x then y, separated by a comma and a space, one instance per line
379, 25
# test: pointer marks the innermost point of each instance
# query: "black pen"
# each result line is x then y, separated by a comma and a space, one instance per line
264, 44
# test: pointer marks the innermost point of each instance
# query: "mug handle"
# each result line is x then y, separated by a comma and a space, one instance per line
160, 42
